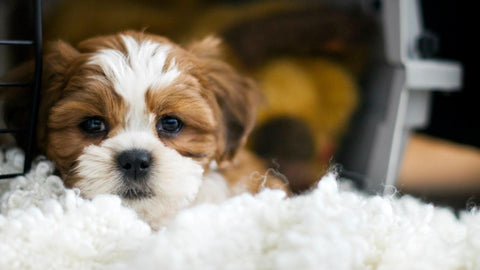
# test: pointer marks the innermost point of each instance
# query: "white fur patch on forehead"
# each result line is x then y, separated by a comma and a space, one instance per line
141, 67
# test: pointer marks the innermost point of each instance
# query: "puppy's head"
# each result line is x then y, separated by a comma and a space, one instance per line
136, 115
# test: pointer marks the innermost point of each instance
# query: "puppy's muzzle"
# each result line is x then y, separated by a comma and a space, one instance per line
134, 164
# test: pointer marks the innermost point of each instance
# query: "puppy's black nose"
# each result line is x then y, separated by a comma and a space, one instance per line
134, 164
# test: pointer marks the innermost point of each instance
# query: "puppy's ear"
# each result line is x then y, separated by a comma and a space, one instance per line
18, 101
209, 47
237, 97
57, 61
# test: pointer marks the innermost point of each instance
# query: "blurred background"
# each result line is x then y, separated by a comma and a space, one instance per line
314, 62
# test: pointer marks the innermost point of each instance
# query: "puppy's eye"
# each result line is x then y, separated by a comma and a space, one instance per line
94, 125
169, 124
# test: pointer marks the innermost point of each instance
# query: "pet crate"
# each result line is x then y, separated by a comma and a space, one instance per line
397, 99
397, 96
36, 44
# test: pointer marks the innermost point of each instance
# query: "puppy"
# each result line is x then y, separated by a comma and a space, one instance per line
136, 115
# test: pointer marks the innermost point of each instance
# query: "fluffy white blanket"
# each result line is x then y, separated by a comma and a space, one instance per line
45, 226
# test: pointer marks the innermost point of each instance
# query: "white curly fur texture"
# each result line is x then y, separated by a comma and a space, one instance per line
45, 226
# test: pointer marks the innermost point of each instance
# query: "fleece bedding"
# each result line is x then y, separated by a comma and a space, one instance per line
46, 226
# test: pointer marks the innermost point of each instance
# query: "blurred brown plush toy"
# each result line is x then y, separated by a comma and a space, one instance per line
309, 103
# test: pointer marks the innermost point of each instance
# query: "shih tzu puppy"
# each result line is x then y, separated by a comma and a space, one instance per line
136, 115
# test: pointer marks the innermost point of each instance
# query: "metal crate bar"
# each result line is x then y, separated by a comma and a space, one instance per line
30, 130
13, 130
17, 42
16, 84
10, 175
37, 21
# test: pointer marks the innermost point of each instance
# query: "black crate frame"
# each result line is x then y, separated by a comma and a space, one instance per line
30, 130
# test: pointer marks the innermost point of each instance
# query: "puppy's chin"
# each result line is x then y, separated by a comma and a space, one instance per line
171, 184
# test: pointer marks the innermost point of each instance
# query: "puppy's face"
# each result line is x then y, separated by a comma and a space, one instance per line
137, 115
